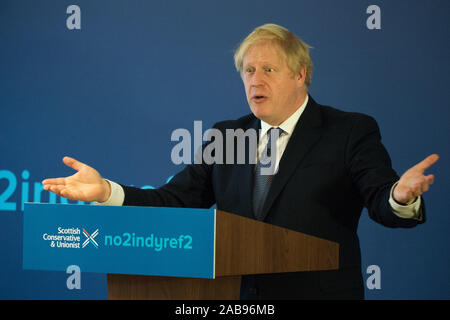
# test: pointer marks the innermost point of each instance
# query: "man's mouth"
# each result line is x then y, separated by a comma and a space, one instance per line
258, 98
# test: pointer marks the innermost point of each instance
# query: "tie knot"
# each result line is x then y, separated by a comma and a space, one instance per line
274, 132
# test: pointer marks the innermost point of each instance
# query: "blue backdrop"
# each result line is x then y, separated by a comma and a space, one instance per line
114, 90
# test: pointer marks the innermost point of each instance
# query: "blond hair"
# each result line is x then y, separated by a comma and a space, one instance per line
296, 51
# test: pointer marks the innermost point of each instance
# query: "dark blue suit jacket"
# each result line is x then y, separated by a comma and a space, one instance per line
333, 166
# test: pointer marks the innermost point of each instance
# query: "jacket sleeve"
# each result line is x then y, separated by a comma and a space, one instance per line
371, 171
190, 188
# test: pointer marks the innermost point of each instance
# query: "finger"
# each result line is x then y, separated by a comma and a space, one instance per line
54, 189
424, 184
66, 193
430, 179
415, 192
62, 192
73, 163
54, 181
427, 162
417, 188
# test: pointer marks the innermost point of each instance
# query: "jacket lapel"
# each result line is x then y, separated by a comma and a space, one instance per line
306, 134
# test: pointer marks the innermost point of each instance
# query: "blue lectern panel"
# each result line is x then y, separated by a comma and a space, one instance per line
127, 240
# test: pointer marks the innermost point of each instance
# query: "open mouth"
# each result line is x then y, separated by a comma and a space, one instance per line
259, 98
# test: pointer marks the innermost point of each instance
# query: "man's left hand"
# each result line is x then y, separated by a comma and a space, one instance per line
413, 182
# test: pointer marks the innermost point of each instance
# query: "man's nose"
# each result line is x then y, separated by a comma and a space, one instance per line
257, 78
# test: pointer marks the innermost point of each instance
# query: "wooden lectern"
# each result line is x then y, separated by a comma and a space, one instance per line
243, 246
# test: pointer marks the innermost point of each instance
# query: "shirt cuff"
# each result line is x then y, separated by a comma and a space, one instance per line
408, 211
116, 197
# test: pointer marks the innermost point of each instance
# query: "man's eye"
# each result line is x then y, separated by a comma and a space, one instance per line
249, 70
269, 70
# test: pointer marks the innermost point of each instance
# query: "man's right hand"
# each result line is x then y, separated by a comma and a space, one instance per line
85, 185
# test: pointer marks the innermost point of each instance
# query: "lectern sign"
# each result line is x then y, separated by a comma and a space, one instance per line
125, 240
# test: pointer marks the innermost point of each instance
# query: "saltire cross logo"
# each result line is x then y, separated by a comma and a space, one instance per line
90, 238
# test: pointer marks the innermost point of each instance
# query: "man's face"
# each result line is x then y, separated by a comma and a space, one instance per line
273, 92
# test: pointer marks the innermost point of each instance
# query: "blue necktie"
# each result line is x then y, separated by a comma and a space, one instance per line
264, 175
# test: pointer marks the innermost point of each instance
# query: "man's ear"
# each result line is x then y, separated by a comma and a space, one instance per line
301, 76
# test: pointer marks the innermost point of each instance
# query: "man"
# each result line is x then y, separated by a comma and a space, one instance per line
329, 165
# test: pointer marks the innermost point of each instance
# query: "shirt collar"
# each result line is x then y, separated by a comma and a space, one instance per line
289, 124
